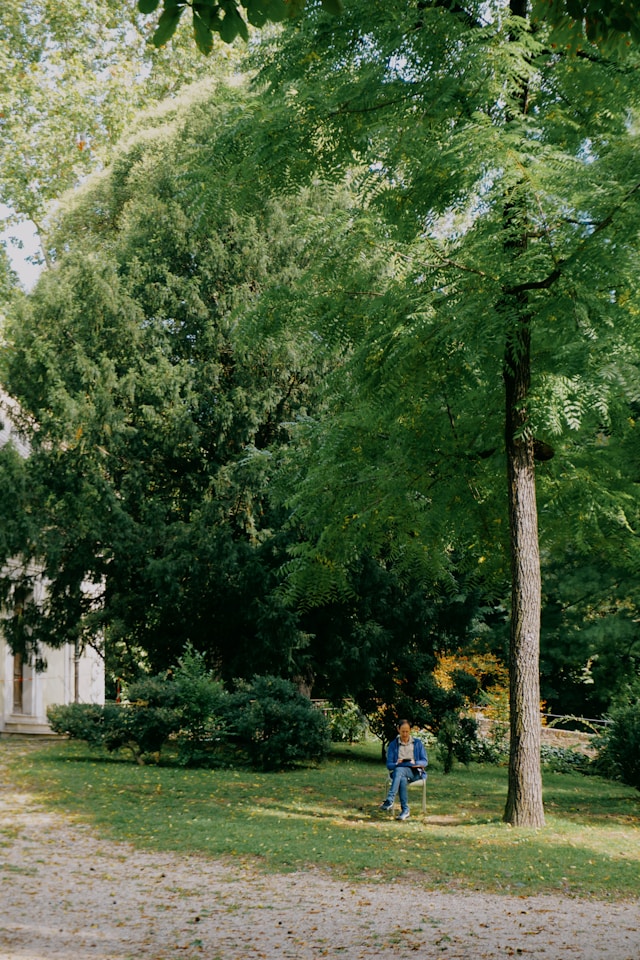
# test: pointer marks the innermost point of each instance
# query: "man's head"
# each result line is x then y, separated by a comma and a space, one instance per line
404, 731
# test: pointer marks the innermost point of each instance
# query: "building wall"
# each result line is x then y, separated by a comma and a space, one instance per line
56, 684
42, 689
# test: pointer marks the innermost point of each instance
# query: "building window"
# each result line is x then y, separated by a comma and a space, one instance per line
18, 682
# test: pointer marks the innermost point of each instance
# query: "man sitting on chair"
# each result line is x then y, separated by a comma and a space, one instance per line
406, 762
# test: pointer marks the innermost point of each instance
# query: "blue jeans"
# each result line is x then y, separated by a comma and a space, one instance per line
401, 777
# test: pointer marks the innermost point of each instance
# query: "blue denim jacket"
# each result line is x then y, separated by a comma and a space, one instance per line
419, 755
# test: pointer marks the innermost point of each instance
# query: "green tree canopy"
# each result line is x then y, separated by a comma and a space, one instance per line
72, 78
152, 418
506, 173
480, 304
163, 366
613, 24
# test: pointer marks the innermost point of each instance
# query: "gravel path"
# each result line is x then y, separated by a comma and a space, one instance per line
66, 894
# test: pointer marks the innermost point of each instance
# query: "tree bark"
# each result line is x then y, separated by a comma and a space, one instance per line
524, 798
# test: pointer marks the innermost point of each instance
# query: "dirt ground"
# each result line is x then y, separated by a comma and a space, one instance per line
67, 894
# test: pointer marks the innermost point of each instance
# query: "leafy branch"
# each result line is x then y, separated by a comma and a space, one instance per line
557, 272
224, 17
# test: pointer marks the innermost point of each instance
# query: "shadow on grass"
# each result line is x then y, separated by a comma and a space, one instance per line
351, 784
367, 754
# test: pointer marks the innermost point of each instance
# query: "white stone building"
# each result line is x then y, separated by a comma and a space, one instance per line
26, 690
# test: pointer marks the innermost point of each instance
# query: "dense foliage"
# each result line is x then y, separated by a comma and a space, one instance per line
73, 76
573, 22
307, 331
267, 722
486, 150
157, 423
168, 373
619, 745
225, 18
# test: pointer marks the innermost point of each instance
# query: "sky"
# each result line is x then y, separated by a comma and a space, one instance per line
25, 234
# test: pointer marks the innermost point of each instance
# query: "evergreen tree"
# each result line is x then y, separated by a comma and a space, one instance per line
152, 416
161, 367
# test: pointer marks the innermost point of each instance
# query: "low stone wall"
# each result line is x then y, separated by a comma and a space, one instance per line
568, 739
550, 736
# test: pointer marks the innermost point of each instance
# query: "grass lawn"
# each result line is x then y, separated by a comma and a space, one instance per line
328, 817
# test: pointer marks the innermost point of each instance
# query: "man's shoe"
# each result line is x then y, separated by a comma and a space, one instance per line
404, 815
386, 806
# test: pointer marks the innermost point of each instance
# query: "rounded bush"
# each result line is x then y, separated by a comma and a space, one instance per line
275, 725
619, 745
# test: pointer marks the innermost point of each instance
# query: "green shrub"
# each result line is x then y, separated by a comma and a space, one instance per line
347, 724
138, 727
157, 691
619, 746
493, 746
456, 739
267, 722
182, 703
564, 759
274, 725
144, 730
203, 732
90, 722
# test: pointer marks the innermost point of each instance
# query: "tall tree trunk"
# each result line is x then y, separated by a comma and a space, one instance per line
524, 798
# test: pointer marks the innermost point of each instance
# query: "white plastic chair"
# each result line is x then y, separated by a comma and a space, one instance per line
414, 783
